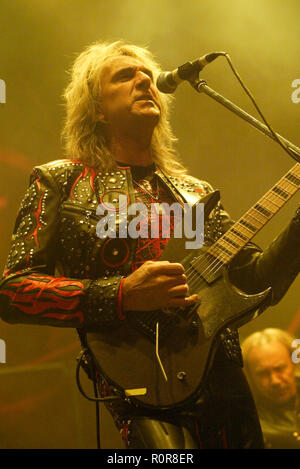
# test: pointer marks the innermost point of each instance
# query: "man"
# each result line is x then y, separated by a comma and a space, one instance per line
271, 374
60, 273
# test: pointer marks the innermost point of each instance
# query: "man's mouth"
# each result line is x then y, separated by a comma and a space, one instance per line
279, 392
145, 97
148, 98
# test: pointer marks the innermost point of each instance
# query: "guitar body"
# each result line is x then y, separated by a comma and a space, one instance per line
186, 340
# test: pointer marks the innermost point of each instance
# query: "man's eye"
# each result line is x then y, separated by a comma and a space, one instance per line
125, 76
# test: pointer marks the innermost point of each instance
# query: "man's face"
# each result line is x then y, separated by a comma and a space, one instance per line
128, 93
272, 372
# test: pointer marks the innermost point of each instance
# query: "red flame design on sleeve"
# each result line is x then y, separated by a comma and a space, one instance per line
37, 294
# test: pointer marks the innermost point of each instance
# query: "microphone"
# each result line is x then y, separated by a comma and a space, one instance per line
167, 82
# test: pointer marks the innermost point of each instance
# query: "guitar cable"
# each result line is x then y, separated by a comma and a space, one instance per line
86, 362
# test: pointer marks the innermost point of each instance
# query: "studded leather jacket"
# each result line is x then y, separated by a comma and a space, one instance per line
60, 273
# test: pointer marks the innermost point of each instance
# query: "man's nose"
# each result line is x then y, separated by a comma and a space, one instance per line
275, 379
143, 80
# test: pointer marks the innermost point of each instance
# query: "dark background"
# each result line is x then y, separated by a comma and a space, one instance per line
40, 406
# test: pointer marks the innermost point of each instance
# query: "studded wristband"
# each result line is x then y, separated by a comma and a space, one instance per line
100, 303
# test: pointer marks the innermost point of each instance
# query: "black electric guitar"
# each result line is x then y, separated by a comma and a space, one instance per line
161, 358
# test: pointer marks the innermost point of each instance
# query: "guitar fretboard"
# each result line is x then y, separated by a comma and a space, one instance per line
257, 216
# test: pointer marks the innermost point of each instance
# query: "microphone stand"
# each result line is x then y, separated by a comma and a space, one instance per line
201, 86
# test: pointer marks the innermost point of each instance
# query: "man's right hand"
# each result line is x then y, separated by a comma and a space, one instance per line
156, 285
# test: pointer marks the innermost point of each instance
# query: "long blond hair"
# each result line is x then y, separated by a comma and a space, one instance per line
83, 134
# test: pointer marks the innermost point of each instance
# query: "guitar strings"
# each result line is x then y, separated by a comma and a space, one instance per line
215, 264
269, 200
267, 203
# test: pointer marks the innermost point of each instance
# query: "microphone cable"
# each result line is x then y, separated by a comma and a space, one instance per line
250, 95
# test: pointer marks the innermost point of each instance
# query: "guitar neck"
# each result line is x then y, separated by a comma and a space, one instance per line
226, 248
